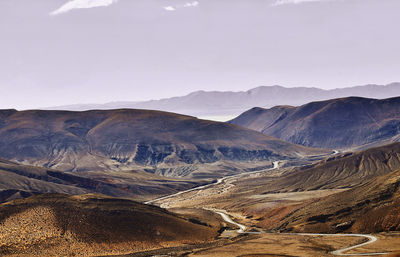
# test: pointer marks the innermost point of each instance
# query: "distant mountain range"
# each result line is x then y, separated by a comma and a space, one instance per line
338, 123
225, 105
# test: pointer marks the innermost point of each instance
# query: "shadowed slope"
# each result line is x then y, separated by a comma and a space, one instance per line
368, 208
20, 181
343, 171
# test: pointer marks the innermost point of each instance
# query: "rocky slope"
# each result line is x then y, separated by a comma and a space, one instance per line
90, 225
369, 208
123, 139
338, 123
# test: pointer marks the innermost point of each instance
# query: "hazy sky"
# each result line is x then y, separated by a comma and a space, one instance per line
55, 52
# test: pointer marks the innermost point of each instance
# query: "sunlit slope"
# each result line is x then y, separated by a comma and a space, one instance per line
55, 224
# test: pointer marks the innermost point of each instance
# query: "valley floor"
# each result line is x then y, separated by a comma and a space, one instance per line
282, 245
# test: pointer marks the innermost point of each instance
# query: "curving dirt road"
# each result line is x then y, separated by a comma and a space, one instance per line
242, 227
219, 181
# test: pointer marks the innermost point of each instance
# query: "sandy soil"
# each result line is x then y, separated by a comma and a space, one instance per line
279, 245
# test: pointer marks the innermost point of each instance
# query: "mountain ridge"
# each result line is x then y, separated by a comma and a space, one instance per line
337, 123
123, 139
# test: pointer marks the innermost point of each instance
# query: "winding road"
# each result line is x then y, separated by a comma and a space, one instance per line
340, 252
242, 227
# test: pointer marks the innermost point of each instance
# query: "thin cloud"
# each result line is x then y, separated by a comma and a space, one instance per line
169, 8
82, 4
282, 2
192, 4
185, 5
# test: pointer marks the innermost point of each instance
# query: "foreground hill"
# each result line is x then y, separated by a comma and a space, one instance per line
342, 171
223, 104
339, 123
60, 225
123, 139
369, 208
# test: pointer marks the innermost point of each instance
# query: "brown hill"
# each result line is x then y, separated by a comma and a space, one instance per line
123, 139
369, 208
341, 171
338, 123
20, 181
89, 225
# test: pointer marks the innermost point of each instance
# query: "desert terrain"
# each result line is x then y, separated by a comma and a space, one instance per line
199, 128
240, 194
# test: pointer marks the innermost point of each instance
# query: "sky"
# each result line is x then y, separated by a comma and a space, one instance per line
58, 52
